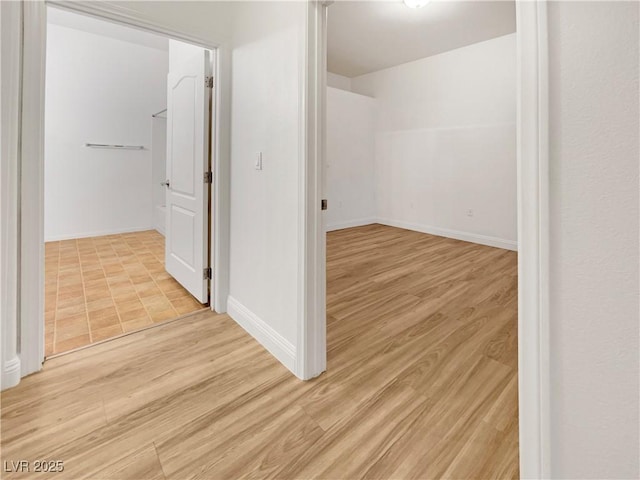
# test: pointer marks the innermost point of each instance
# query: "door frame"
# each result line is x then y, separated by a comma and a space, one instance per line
31, 164
533, 225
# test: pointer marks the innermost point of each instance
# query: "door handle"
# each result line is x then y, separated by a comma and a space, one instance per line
165, 183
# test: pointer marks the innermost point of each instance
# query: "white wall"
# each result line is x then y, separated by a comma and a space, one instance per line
269, 39
594, 239
106, 98
446, 142
338, 81
350, 159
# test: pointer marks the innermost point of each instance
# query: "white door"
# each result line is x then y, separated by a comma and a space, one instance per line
186, 240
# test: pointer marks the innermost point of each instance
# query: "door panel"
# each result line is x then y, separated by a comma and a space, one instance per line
186, 241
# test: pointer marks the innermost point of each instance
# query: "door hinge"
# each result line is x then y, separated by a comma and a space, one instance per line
208, 273
208, 82
208, 177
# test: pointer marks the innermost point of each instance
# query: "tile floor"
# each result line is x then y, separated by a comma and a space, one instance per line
100, 287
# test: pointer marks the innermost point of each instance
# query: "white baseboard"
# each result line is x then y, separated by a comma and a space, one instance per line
278, 346
350, 224
100, 233
458, 235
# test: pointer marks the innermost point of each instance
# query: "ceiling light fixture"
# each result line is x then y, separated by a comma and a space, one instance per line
416, 3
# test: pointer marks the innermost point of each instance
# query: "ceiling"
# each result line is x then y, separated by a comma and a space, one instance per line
366, 36
64, 18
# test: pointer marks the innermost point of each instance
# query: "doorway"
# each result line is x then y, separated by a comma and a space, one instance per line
420, 179
533, 227
127, 156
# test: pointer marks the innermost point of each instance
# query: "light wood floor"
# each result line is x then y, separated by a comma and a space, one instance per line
101, 287
421, 382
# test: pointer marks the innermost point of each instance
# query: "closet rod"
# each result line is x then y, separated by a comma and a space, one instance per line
119, 147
